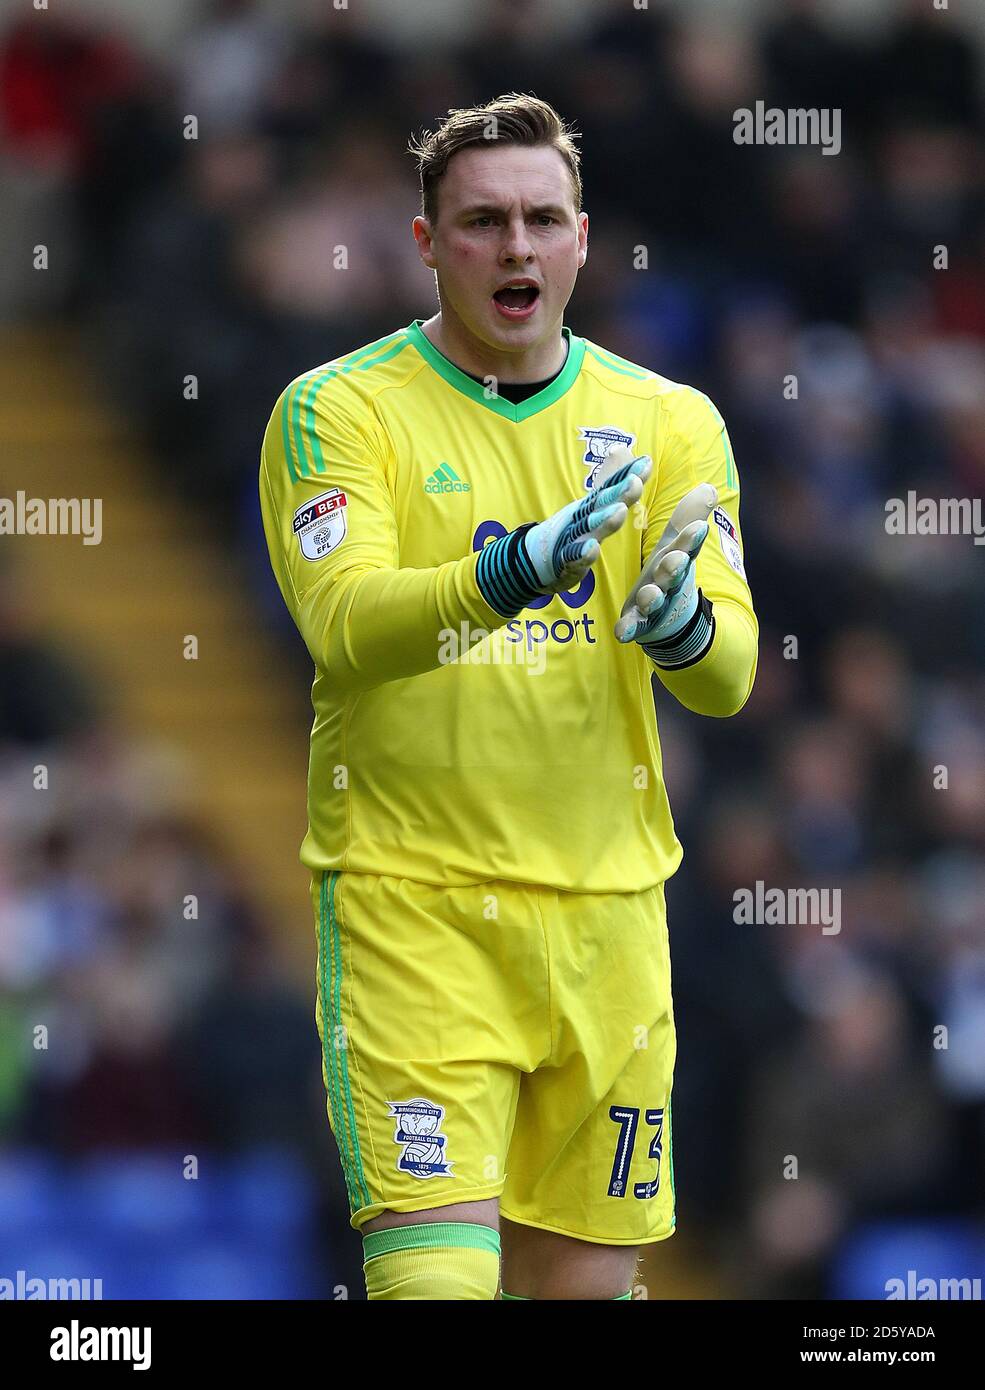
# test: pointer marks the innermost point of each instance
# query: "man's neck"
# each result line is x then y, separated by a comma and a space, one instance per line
453, 340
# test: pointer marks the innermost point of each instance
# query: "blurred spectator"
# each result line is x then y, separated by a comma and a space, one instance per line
854, 1106
227, 66
927, 69
77, 144
42, 695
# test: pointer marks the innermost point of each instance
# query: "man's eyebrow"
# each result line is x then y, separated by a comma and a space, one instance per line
480, 209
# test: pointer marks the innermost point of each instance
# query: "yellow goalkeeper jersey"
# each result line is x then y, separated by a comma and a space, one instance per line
531, 754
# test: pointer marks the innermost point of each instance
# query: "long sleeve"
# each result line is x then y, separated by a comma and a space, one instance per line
329, 520
697, 450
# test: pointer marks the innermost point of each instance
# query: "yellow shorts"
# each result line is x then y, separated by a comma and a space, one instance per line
499, 1040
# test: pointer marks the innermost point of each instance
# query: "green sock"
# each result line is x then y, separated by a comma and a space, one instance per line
522, 1298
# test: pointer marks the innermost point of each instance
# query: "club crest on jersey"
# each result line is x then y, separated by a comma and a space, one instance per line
598, 442
418, 1132
729, 538
320, 524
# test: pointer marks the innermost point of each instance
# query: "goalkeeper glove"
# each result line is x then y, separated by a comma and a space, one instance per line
549, 556
665, 612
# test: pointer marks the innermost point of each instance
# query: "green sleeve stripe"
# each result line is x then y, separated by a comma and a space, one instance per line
304, 403
369, 348
298, 408
626, 369
729, 460
625, 362
361, 361
431, 1235
726, 442
287, 437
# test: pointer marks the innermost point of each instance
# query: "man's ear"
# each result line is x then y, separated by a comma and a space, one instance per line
421, 228
582, 239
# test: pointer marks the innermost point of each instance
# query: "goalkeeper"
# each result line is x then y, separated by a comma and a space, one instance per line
489, 841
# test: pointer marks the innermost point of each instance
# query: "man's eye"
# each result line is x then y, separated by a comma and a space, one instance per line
485, 219
546, 220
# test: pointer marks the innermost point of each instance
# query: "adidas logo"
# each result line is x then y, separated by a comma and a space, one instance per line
445, 479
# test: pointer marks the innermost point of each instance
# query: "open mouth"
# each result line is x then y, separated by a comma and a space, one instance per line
516, 301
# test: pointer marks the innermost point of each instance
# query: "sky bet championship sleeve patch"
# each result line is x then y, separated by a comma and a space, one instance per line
320, 524
729, 538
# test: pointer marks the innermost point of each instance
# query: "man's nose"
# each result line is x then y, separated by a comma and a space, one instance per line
516, 244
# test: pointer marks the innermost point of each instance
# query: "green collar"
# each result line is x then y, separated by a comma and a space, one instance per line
509, 410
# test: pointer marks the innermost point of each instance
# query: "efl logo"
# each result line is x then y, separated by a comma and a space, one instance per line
320, 524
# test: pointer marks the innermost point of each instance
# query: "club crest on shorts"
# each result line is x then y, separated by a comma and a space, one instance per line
418, 1132
598, 442
320, 524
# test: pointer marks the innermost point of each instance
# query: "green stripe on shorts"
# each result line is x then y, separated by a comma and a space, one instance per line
342, 1052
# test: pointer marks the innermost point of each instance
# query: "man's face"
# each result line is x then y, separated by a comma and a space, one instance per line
506, 216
